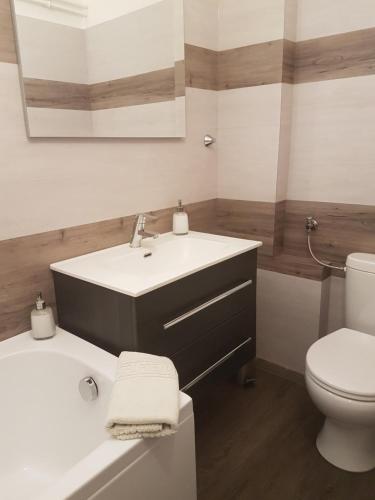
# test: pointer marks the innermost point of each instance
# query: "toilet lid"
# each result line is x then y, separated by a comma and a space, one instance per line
344, 361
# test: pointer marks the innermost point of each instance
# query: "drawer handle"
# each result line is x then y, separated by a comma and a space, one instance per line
212, 368
209, 303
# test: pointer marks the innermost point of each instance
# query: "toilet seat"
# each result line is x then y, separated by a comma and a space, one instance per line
343, 363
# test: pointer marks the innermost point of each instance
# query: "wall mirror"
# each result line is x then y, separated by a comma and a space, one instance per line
102, 68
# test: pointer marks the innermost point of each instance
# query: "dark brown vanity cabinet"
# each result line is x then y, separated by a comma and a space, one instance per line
204, 322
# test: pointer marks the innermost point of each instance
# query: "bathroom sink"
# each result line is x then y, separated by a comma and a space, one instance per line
136, 271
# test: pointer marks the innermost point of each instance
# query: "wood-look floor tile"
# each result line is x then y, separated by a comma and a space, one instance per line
259, 444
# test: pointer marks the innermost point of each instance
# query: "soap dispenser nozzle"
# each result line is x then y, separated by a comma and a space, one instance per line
40, 303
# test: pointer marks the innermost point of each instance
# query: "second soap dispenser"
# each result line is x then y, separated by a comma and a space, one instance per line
42, 321
180, 220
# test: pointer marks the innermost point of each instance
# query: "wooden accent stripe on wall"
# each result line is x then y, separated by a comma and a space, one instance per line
201, 67
155, 86
338, 56
248, 219
56, 95
343, 229
7, 44
259, 64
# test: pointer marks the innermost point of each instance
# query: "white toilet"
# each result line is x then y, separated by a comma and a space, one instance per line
340, 374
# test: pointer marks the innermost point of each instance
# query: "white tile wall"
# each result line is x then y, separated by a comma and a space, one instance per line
336, 305
25, 8
290, 19
204, 17
284, 141
157, 119
318, 18
333, 141
44, 122
50, 184
133, 44
244, 22
248, 142
100, 12
288, 318
52, 51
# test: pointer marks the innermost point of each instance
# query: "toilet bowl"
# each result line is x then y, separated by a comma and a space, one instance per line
340, 378
340, 374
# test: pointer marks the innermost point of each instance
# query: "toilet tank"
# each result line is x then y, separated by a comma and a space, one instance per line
360, 292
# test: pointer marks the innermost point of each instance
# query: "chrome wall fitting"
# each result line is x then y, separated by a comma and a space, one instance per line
311, 225
209, 140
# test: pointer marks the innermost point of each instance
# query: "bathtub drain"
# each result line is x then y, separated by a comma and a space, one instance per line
88, 389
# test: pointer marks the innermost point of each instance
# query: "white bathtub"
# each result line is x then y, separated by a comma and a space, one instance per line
53, 444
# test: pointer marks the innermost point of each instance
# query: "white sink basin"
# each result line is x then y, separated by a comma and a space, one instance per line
127, 270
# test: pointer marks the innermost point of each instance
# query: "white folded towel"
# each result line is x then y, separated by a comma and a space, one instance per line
145, 397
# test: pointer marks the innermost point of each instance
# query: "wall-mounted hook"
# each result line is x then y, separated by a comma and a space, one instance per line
209, 140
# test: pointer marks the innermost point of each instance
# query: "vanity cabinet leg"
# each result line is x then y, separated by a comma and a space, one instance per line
246, 375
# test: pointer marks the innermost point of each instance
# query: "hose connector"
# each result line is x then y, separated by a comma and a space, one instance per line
311, 224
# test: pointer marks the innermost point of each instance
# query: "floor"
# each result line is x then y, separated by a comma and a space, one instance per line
258, 444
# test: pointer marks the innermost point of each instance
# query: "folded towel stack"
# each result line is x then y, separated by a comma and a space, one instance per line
145, 397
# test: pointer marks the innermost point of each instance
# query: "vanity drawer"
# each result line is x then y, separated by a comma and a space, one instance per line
177, 315
216, 347
186, 327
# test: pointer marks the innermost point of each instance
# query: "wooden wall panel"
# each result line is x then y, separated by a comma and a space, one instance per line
343, 229
288, 61
7, 44
253, 220
179, 75
278, 237
337, 56
56, 95
258, 64
25, 261
155, 86
201, 67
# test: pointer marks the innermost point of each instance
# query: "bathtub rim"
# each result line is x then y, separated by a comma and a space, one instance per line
110, 457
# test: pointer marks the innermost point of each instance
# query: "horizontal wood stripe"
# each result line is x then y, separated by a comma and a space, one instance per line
343, 229
253, 220
289, 49
56, 95
8, 52
25, 260
201, 67
179, 76
156, 86
338, 56
249, 66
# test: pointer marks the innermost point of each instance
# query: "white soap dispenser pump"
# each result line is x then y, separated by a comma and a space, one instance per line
42, 321
180, 220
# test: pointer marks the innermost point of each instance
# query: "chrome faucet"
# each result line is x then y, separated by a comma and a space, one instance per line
139, 231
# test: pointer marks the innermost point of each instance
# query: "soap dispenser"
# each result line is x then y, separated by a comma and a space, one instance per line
180, 220
42, 321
